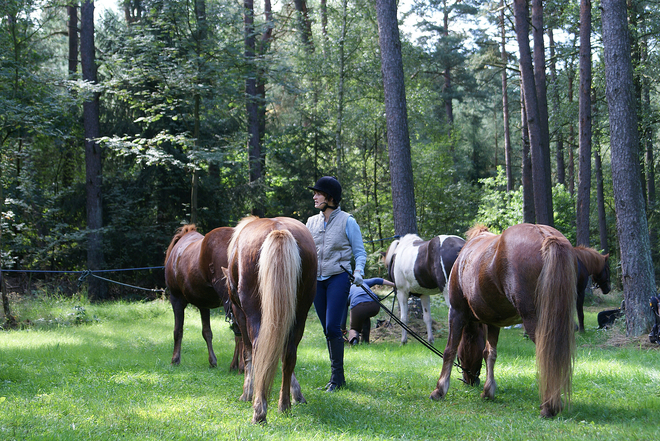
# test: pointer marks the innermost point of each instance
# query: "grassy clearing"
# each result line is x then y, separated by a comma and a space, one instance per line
106, 375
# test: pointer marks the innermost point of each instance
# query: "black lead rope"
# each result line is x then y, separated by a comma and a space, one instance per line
416, 336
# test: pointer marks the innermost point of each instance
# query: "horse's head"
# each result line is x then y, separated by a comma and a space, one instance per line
602, 279
470, 352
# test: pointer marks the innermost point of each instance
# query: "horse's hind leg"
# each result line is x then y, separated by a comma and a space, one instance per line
426, 313
288, 364
208, 334
490, 355
178, 306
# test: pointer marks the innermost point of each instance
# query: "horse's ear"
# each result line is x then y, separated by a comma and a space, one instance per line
606, 256
230, 283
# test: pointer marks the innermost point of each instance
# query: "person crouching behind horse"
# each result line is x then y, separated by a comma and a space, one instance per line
363, 307
338, 238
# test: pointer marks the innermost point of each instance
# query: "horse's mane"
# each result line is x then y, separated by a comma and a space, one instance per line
591, 259
180, 232
475, 231
231, 248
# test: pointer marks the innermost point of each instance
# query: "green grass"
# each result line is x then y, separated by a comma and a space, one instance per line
106, 375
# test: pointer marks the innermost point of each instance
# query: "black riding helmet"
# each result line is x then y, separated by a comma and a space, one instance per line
330, 186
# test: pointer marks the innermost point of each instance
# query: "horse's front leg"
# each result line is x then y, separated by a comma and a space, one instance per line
456, 325
490, 355
580, 309
402, 297
426, 313
296, 391
179, 307
205, 313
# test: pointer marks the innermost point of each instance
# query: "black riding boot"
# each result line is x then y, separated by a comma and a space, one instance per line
336, 349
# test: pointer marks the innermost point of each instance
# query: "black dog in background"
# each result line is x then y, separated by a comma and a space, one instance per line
606, 318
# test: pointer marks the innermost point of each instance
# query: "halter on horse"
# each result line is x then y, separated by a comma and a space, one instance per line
527, 274
422, 268
271, 275
193, 275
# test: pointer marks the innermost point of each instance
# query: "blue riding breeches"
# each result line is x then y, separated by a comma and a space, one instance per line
330, 303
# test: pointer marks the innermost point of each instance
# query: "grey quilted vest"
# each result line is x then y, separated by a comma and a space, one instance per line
332, 246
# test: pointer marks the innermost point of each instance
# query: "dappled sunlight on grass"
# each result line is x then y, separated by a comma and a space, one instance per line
113, 379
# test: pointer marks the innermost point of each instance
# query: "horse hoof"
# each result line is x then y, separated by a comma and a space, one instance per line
259, 420
547, 412
436, 395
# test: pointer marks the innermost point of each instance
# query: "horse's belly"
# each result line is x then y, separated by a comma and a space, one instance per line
420, 291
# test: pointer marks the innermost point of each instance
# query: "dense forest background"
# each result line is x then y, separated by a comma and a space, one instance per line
205, 117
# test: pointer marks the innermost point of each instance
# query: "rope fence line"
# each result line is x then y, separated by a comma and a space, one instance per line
86, 273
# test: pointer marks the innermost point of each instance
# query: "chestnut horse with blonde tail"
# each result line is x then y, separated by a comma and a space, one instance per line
271, 277
527, 274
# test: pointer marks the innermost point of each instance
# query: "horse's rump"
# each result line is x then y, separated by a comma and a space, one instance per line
271, 277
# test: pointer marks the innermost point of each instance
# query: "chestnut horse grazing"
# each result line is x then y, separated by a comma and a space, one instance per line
527, 274
590, 263
193, 275
271, 277
421, 267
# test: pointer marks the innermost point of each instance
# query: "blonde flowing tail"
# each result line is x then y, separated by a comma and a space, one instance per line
555, 332
280, 269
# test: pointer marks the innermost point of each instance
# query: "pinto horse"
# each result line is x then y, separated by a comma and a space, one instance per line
590, 263
271, 276
193, 274
527, 274
421, 267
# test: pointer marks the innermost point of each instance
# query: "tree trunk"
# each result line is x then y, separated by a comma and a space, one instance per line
304, 24
68, 168
636, 264
542, 100
571, 134
340, 94
556, 105
93, 182
584, 176
650, 160
200, 14
401, 174
505, 103
600, 201
446, 90
375, 179
542, 203
254, 89
529, 216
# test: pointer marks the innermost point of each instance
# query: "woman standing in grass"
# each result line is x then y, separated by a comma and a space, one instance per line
338, 238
